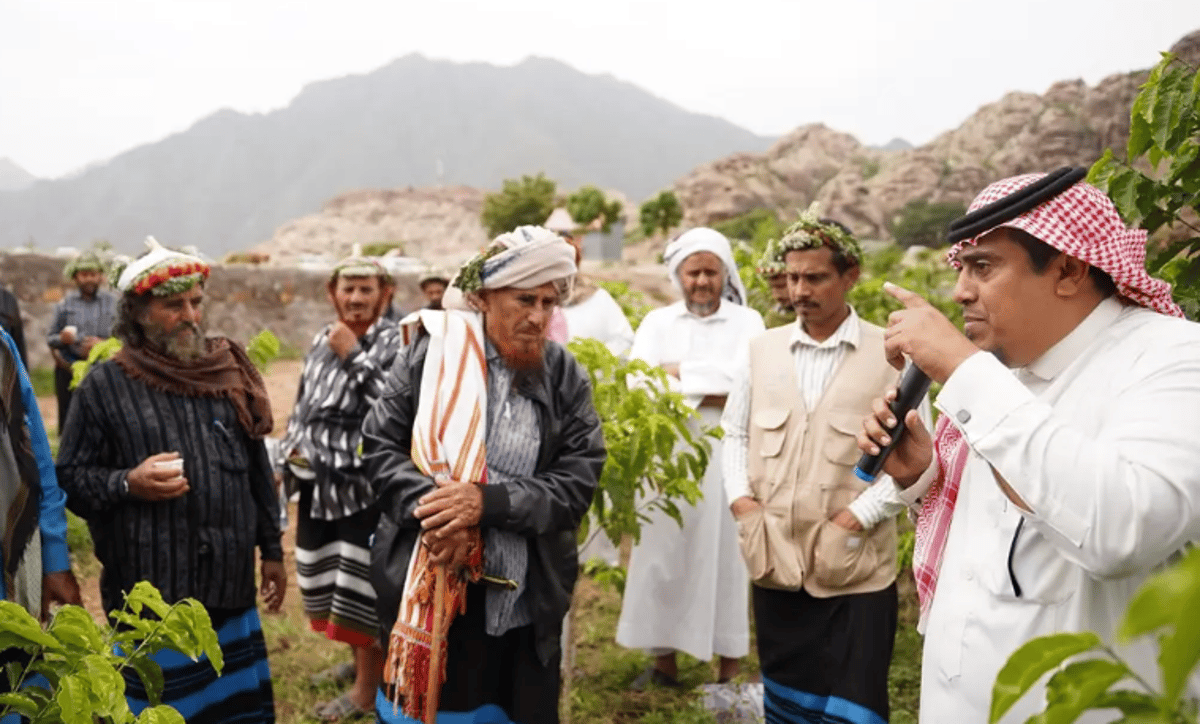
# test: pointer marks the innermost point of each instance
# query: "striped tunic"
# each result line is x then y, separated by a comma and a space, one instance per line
199, 545
326, 426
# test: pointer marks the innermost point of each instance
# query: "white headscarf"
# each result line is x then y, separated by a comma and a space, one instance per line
524, 258
710, 240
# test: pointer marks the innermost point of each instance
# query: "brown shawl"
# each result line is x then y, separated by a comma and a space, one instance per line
223, 371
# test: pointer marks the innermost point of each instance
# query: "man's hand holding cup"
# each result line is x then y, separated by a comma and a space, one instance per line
158, 477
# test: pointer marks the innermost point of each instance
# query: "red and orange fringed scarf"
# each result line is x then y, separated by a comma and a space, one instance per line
447, 444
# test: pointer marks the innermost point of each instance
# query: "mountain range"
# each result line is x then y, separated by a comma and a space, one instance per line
232, 178
13, 177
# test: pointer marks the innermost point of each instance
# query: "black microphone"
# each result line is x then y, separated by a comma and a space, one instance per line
914, 385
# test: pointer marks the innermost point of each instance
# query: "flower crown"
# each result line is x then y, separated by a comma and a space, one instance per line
810, 232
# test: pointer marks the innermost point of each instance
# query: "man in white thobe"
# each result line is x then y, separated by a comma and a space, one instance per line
1066, 467
687, 588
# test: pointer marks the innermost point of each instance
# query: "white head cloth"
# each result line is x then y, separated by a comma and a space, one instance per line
524, 258
140, 274
713, 241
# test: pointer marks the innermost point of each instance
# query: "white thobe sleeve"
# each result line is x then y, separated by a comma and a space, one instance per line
883, 499
735, 443
1114, 503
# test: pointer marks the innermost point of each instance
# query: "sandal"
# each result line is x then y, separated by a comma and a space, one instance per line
342, 673
652, 675
342, 708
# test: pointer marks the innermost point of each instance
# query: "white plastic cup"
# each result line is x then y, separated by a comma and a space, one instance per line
176, 465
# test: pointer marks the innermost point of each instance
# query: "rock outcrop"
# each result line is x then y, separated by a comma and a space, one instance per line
1070, 124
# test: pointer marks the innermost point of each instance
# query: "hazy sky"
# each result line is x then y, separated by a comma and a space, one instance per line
83, 80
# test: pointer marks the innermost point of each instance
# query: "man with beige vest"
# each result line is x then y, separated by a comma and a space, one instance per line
819, 543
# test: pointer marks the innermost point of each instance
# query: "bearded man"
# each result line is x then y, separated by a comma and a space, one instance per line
687, 587
1066, 468
343, 374
83, 319
485, 451
163, 456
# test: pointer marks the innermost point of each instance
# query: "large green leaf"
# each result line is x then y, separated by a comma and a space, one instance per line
1077, 688
160, 715
1030, 662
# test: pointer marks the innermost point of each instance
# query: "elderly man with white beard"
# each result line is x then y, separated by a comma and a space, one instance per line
687, 587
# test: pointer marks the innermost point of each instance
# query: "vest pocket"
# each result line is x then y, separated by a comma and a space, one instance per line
841, 445
762, 545
842, 557
771, 423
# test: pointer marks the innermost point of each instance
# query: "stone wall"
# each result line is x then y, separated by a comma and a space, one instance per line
241, 301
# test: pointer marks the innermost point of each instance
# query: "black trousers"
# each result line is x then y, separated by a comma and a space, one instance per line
62, 389
839, 647
501, 670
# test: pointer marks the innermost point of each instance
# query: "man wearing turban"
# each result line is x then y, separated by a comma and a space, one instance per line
484, 450
163, 455
343, 374
687, 588
1064, 468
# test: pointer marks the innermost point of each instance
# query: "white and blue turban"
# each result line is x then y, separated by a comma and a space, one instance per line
713, 241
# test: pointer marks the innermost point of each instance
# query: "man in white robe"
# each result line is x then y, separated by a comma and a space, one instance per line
1065, 469
687, 588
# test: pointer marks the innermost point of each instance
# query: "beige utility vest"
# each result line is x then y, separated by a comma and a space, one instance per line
800, 466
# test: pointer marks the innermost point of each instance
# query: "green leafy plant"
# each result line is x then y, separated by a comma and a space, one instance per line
589, 203
1165, 605
661, 213
83, 662
1157, 185
924, 223
633, 304
99, 353
262, 349
528, 200
655, 459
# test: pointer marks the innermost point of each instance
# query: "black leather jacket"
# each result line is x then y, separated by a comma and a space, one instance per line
546, 507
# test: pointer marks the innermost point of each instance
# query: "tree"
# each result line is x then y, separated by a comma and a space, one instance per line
1164, 137
661, 213
528, 201
589, 203
921, 223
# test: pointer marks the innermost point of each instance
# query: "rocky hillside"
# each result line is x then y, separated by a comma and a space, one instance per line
231, 179
1072, 123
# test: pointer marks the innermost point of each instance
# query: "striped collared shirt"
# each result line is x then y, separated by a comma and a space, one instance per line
817, 361
91, 317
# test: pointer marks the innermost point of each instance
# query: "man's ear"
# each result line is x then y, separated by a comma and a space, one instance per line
853, 273
483, 301
1072, 275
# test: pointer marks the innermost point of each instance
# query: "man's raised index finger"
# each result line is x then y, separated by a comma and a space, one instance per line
907, 298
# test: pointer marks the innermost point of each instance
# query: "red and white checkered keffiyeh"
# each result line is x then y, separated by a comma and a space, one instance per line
937, 508
1081, 222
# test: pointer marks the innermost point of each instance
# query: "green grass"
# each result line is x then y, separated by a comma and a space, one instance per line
42, 379
604, 669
